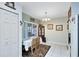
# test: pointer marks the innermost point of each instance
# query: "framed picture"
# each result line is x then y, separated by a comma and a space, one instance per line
50, 26
10, 4
59, 27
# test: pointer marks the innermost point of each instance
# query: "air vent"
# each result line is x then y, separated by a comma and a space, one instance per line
32, 20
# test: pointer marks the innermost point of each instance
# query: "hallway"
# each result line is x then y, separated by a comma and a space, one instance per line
24, 24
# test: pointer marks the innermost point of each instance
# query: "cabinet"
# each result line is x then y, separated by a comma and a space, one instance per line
41, 30
29, 29
9, 34
73, 16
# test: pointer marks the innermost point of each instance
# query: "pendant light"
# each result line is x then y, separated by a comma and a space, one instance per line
46, 18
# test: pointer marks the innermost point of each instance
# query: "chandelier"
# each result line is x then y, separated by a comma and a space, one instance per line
46, 18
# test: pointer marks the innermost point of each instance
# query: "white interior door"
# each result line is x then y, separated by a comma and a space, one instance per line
9, 34
74, 37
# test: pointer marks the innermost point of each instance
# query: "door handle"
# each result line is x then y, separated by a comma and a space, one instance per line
21, 22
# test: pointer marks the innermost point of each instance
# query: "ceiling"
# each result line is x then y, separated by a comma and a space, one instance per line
38, 9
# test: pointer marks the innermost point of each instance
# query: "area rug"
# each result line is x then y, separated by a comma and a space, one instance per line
40, 52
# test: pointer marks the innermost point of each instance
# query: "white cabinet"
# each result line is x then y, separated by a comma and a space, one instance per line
74, 36
29, 30
9, 34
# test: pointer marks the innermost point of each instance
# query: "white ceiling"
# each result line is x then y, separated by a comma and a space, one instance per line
38, 9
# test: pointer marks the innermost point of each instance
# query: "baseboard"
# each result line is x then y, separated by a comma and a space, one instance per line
57, 43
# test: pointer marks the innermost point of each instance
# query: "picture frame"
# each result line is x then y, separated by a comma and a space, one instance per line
59, 27
50, 26
10, 5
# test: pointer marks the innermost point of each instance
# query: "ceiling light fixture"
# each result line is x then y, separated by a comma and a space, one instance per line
46, 18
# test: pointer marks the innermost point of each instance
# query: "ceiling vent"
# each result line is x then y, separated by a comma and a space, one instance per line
32, 20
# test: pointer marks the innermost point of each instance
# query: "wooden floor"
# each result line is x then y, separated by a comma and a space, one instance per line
58, 51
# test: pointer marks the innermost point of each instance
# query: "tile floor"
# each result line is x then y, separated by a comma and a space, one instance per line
58, 51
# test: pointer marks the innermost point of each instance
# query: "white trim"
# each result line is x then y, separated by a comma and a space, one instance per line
20, 38
30, 22
63, 44
57, 43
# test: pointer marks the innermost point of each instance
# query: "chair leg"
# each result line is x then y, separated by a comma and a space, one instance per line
32, 50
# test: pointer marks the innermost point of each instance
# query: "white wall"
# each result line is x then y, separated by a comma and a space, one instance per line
56, 37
